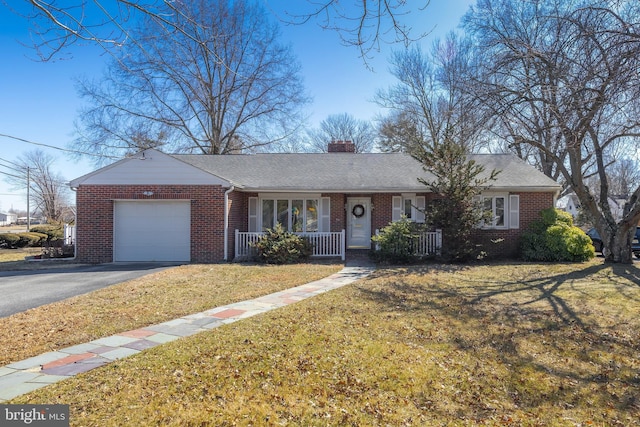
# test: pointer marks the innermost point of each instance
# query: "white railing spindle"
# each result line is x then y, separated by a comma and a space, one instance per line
329, 244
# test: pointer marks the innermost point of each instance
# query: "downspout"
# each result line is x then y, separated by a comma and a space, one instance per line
75, 224
226, 222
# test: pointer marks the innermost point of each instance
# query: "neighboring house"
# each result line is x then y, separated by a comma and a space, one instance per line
160, 207
570, 204
8, 218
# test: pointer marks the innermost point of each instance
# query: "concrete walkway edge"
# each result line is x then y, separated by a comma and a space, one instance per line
24, 376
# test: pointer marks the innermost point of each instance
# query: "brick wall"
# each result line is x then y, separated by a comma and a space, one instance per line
505, 243
95, 218
382, 211
497, 243
341, 147
337, 203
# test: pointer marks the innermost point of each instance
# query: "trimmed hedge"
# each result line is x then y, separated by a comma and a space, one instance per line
22, 240
9, 240
31, 239
53, 232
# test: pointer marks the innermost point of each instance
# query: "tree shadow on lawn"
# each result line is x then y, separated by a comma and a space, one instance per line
550, 324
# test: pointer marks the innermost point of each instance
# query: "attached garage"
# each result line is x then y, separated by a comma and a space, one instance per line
152, 231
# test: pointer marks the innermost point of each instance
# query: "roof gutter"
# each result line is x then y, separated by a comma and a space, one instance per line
421, 189
226, 222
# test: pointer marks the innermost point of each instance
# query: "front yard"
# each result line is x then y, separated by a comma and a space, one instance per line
500, 344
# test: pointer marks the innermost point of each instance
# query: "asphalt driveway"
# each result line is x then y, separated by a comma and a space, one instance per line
22, 290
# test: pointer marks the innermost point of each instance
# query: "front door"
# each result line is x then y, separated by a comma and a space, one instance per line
359, 223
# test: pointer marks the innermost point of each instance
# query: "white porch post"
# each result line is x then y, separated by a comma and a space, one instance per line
237, 243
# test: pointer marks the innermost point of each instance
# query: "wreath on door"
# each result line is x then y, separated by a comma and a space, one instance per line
358, 210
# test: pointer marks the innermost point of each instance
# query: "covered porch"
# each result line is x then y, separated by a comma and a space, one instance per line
331, 244
325, 244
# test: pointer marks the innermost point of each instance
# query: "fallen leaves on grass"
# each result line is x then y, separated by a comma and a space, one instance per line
151, 299
519, 344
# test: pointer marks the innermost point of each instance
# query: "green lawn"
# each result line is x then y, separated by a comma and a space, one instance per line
501, 344
151, 299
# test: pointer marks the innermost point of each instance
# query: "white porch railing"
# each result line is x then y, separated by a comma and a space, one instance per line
426, 243
330, 244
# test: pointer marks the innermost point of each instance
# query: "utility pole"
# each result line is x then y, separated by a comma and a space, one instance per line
28, 199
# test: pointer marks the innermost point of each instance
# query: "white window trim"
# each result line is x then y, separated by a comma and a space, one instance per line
511, 212
320, 201
417, 203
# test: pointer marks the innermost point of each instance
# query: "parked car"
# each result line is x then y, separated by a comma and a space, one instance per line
597, 242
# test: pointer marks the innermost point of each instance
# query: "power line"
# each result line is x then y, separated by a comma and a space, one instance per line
12, 175
40, 144
22, 168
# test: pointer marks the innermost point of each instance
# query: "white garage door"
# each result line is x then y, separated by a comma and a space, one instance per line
152, 231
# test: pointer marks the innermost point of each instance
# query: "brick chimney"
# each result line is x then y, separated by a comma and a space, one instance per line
341, 147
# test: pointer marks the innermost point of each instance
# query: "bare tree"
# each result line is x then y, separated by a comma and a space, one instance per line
562, 78
343, 127
399, 133
48, 189
428, 104
623, 176
364, 25
222, 84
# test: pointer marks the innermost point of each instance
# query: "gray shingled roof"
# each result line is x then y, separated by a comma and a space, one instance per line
347, 172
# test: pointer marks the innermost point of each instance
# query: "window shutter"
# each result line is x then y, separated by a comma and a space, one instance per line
514, 211
253, 214
419, 209
325, 215
396, 203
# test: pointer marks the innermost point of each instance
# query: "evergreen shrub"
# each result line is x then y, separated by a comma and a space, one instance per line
9, 240
397, 241
31, 239
53, 232
279, 246
553, 237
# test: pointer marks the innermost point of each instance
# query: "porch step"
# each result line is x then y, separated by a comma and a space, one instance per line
358, 257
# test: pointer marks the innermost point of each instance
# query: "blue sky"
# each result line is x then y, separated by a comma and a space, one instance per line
38, 101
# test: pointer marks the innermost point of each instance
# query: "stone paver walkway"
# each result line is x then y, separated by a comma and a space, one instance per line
30, 374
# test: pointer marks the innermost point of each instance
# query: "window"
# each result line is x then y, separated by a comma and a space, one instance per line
502, 209
409, 205
312, 215
268, 217
283, 215
494, 208
294, 214
408, 208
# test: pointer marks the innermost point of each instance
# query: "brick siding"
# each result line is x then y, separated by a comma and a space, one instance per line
505, 243
341, 147
95, 204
